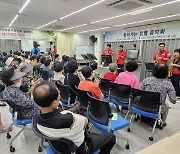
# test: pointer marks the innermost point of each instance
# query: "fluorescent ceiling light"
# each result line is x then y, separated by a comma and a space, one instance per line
27, 2
73, 27
82, 9
47, 24
93, 30
152, 7
13, 20
175, 15
141, 11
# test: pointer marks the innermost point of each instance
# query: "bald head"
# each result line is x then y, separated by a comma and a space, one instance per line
45, 93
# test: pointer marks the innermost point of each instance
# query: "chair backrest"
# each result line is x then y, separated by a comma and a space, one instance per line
98, 110
146, 100
105, 85
120, 92
45, 75
149, 66
67, 145
83, 97
64, 90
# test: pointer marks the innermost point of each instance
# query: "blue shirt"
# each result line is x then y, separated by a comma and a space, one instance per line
33, 50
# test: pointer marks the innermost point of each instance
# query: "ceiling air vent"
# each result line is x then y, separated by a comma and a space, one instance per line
114, 3
146, 1
128, 5
56, 27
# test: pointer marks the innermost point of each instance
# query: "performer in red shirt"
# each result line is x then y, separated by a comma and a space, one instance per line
161, 56
108, 51
105, 55
54, 51
121, 59
175, 78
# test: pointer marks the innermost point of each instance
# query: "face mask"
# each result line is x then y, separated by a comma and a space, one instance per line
18, 85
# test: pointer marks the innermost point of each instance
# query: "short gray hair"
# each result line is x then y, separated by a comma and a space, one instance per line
112, 67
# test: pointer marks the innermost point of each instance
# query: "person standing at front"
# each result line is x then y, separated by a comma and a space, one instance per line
121, 59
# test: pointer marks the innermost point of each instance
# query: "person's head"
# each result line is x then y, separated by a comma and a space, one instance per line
132, 66
46, 95
56, 56
19, 53
120, 47
72, 66
43, 59
12, 77
161, 46
48, 63
108, 46
38, 58
63, 57
27, 56
4, 54
66, 58
58, 67
33, 57
133, 47
70, 58
87, 72
177, 53
160, 71
15, 53
113, 67
94, 65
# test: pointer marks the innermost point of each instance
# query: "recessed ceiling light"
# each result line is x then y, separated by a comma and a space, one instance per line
93, 30
72, 27
141, 11
81, 9
152, 7
47, 24
136, 22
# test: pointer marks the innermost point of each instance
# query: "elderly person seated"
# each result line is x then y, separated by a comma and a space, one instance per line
111, 75
48, 67
158, 83
13, 80
58, 76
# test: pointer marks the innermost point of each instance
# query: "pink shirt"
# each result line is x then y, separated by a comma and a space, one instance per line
128, 78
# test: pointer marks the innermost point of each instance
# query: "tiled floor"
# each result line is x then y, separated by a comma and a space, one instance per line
27, 142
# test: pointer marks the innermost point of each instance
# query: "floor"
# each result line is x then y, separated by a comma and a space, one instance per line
27, 142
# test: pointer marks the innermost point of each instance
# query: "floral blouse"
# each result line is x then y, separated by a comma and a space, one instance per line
28, 108
160, 85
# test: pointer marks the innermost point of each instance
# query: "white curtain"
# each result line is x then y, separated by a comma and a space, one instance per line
6, 45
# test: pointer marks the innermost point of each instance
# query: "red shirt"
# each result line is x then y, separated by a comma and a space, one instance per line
91, 87
121, 60
176, 70
108, 52
54, 51
110, 75
164, 54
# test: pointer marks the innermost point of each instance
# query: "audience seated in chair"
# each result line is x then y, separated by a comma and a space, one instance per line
64, 124
48, 67
58, 76
13, 80
111, 75
27, 68
158, 83
128, 77
72, 78
56, 60
41, 64
88, 84
27, 58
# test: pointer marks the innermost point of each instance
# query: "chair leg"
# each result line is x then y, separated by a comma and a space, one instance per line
8, 130
127, 142
10, 143
129, 129
127, 113
151, 137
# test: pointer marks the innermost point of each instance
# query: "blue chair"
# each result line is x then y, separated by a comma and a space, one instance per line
121, 95
65, 94
99, 113
147, 104
17, 122
68, 146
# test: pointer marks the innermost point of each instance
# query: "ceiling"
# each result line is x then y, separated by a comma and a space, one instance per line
40, 12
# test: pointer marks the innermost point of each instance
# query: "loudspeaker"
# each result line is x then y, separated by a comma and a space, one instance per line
93, 39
